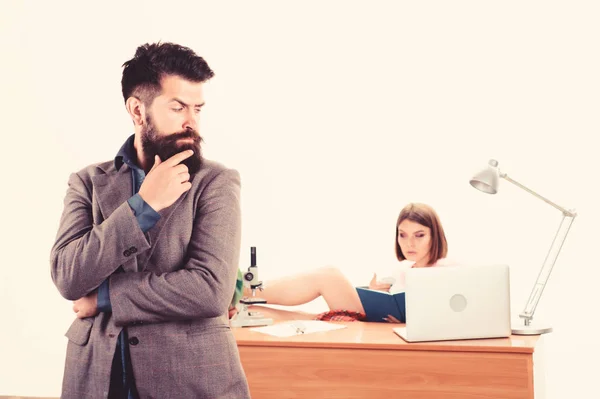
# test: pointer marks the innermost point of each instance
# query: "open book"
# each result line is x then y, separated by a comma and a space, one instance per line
380, 304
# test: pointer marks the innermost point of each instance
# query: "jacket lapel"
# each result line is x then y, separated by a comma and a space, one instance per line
112, 190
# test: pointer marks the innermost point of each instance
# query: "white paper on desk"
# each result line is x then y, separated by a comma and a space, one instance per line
291, 328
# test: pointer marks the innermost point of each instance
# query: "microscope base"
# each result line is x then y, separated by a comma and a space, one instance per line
244, 318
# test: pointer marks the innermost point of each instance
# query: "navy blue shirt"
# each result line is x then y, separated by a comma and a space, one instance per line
121, 374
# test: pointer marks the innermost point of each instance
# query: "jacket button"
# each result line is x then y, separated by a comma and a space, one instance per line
133, 250
126, 253
134, 341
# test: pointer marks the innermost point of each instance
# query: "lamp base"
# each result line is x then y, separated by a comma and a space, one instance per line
532, 329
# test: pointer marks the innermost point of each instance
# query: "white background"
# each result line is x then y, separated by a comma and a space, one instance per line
336, 114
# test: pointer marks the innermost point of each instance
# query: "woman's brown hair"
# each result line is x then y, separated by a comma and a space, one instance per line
426, 216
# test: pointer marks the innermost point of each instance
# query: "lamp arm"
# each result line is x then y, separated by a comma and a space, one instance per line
538, 288
565, 212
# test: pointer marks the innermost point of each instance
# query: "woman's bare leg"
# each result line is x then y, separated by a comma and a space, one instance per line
327, 282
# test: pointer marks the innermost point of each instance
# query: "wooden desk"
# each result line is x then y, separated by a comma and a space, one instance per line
368, 360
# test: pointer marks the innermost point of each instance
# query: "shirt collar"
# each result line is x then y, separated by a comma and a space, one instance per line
126, 154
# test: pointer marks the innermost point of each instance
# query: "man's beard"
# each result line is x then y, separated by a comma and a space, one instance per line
165, 146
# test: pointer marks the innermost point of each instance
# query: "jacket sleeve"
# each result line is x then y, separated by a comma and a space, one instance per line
146, 218
204, 286
85, 254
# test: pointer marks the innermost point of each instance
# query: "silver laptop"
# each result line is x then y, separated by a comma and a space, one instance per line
456, 302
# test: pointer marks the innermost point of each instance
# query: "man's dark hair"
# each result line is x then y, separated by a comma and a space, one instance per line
151, 62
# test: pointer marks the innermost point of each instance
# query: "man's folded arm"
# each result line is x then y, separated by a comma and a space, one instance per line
146, 218
205, 285
84, 254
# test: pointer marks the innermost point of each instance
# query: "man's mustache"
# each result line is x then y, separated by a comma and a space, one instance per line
186, 134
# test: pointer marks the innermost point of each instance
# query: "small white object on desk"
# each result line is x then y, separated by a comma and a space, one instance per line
298, 327
246, 318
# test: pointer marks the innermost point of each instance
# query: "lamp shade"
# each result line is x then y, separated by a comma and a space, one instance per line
487, 179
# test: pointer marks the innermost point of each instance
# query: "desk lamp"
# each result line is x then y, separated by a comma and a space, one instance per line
487, 181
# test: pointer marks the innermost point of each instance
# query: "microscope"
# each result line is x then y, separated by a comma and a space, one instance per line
245, 318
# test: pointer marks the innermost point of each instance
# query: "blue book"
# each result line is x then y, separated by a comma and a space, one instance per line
380, 304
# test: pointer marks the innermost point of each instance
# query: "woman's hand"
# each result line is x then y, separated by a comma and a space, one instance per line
375, 285
391, 319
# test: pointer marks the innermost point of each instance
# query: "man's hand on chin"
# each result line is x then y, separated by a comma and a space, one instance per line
86, 306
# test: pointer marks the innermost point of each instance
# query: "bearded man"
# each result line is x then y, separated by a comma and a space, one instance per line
148, 249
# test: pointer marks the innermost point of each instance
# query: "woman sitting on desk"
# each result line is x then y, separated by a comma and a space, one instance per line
420, 242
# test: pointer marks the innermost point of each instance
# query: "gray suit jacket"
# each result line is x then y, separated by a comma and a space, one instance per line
173, 295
